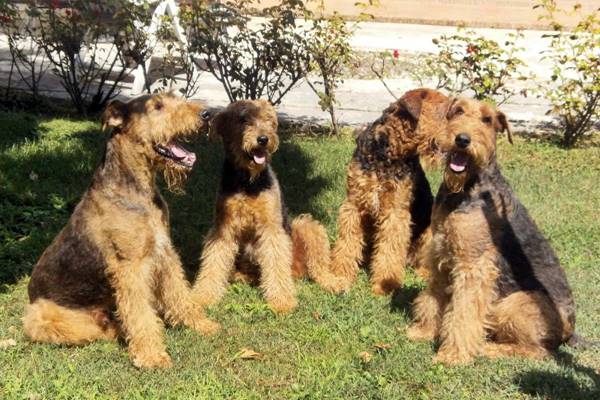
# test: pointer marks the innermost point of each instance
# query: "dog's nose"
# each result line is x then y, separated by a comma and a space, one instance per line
205, 115
462, 140
262, 140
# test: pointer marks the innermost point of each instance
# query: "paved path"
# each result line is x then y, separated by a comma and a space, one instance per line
361, 101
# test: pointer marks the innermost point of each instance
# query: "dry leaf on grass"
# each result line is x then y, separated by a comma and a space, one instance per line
316, 315
365, 356
6, 343
249, 354
383, 346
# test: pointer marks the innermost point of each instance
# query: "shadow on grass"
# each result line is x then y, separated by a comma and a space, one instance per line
41, 180
560, 386
403, 297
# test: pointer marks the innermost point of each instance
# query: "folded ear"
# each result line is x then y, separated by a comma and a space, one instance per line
217, 124
503, 125
412, 101
114, 115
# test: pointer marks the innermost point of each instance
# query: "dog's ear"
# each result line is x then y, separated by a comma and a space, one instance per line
503, 125
114, 115
412, 101
217, 124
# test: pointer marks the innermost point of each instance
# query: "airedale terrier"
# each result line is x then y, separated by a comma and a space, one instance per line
113, 268
495, 286
388, 205
251, 229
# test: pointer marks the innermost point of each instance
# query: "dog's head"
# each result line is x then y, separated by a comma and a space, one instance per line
156, 125
469, 142
248, 129
408, 126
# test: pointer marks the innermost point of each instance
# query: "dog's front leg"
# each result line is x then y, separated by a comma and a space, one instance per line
428, 308
135, 299
347, 253
175, 295
462, 333
217, 262
274, 255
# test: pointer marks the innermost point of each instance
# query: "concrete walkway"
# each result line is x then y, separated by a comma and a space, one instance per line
361, 101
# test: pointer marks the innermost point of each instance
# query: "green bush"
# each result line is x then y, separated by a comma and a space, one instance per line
574, 87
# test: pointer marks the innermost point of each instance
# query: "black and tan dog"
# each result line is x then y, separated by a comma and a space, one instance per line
495, 286
388, 203
251, 229
113, 269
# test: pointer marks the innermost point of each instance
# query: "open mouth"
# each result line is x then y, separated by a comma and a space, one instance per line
258, 156
177, 153
458, 162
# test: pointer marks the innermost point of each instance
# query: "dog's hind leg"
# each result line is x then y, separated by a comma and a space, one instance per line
46, 321
274, 255
175, 295
217, 263
348, 250
312, 253
525, 324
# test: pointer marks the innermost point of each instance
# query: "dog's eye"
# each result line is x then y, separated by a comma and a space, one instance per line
158, 106
487, 120
458, 111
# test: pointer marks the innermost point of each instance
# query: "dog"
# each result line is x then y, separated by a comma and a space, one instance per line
388, 204
112, 269
496, 287
252, 231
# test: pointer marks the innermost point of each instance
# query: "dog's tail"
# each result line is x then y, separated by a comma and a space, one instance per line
312, 254
46, 321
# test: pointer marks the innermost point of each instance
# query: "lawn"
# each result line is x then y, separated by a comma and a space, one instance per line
316, 352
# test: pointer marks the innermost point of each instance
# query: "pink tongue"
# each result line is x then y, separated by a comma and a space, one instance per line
458, 162
259, 159
184, 155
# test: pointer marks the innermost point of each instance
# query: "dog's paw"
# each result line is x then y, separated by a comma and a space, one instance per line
419, 333
451, 358
337, 285
283, 306
384, 287
150, 359
206, 327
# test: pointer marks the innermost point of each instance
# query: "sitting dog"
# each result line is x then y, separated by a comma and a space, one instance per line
495, 285
113, 269
251, 229
388, 203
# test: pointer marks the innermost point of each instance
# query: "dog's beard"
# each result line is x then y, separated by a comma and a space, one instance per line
455, 183
175, 177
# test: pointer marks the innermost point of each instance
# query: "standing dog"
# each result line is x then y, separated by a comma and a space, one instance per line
251, 227
114, 258
495, 287
388, 203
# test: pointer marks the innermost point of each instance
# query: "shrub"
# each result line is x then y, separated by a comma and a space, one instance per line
251, 62
80, 39
330, 52
574, 89
466, 61
28, 60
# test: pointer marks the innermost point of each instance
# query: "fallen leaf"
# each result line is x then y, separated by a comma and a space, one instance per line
12, 329
400, 329
6, 343
248, 354
383, 346
365, 356
316, 315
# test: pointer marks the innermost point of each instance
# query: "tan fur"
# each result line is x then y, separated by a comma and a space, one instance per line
124, 216
461, 307
380, 192
45, 321
250, 227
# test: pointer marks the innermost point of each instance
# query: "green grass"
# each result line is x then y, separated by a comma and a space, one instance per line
45, 164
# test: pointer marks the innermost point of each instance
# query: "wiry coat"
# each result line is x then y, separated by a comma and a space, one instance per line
251, 231
388, 204
493, 274
113, 268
